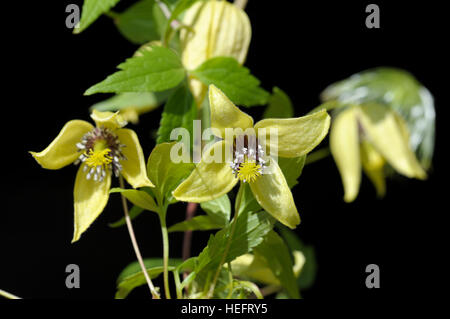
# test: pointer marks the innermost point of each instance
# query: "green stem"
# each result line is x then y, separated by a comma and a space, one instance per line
137, 251
165, 237
227, 248
8, 295
176, 277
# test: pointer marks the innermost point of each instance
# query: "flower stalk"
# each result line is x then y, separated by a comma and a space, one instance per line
137, 251
165, 237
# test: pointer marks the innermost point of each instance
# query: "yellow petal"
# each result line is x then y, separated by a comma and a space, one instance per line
63, 150
344, 146
383, 130
274, 195
131, 114
207, 181
224, 114
108, 119
133, 167
198, 89
373, 166
90, 198
296, 136
217, 28
299, 262
254, 268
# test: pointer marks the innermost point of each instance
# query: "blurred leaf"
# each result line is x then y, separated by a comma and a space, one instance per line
233, 79
134, 212
92, 9
142, 22
164, 173
292, 168
153, 70
132, 275
398, 90
282, 295
202, 222
280, 105
218, 209
277, 256
308, 272
179, 112
140, 101
138, 198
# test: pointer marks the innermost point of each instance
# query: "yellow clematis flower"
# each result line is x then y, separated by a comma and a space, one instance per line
216, 28
210, 179
371, 135
100, 151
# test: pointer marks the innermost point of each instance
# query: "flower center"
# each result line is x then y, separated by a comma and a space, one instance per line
248, 171
101, 154
248, 163
98, 158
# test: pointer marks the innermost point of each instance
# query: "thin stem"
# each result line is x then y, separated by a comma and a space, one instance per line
190, 211
137, 251
8, 295
240, 3
225, 253
176, 277
165, 237
166, 11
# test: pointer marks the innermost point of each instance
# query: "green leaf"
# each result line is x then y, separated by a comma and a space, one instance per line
134, 212
233, 79
292, 168
140, 101
164, 173
277, 256
280, 105
92, 9
218, 209
246, 200
138, 198
202, 222
132, 276
218, 215
142, 22
398, 90
249, 233
179, 112
157, 69
308, 272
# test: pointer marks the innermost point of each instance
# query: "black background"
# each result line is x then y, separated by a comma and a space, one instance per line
300, 48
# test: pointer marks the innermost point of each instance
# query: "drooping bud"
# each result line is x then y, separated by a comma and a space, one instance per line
217, 28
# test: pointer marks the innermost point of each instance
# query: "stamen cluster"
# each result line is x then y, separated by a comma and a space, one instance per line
248, 162
101, 153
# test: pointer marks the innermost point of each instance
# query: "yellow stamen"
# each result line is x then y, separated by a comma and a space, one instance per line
249, 171
98, 157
